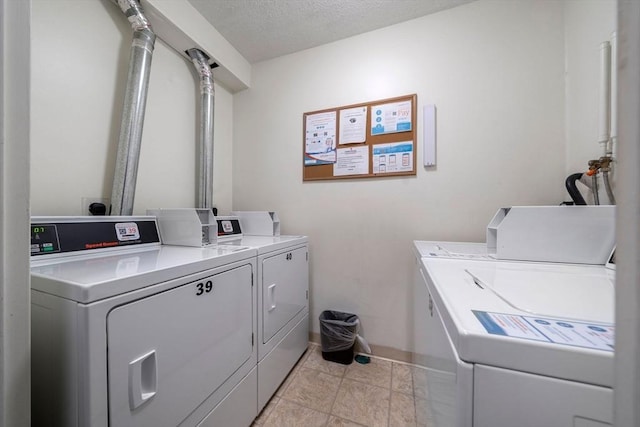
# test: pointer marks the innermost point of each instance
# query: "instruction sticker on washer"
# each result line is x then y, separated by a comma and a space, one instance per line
126, 231
556, 331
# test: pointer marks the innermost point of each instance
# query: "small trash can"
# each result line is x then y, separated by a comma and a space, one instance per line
338, 332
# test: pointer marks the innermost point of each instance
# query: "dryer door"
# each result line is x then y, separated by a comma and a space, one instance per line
285, 281
168, 352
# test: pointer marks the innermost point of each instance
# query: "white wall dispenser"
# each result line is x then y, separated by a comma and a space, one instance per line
187, 226
259, 223
568, 234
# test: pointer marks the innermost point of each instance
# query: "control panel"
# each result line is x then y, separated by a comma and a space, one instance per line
70, 234
229, 227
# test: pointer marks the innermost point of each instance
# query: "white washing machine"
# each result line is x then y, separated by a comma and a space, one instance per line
283, 302
514, 344
126, 332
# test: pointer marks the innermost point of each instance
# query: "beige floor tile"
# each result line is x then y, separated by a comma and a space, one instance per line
362, 403
401, 378
289, 414
402, 412
266, 411
339, 422
313, 389
315, 361
380, 393
377, 372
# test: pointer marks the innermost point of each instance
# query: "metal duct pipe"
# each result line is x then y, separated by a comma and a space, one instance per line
207, 102
124, 180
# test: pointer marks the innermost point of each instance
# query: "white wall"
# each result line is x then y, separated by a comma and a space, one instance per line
80, 54
588, 23
495, 70
15, 309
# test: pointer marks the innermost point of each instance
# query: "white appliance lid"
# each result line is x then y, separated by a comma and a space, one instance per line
91, 277
564, 291
266, 244
505, 290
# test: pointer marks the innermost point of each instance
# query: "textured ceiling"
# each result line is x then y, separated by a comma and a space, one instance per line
265, 29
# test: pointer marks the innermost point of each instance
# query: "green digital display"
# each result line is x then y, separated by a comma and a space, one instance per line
44, 239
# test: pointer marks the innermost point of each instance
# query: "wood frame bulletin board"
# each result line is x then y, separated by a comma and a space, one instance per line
385, 148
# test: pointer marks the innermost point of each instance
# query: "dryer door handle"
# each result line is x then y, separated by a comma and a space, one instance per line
143, 373
271, 292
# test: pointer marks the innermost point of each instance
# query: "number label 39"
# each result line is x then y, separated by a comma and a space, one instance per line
204, 287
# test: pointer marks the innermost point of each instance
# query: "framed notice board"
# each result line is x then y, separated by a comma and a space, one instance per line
369, 140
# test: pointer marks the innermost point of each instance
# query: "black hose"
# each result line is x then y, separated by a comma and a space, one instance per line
570, 183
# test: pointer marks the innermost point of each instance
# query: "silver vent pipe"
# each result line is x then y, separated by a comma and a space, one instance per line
135, 100
205, 133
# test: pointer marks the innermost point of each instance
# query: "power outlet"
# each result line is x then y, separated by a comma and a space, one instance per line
86, 201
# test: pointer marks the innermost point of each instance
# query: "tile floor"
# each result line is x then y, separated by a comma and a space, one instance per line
319, 393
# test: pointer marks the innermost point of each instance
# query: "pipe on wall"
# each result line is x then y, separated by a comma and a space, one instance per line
613, 136
604, 128
205, 133
130, 140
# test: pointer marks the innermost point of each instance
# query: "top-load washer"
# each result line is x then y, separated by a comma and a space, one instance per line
126, 332
283, 301
515, 343
519, 331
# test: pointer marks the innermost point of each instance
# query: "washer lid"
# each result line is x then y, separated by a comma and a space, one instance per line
88, 278
266, 244
563, 291
473, 297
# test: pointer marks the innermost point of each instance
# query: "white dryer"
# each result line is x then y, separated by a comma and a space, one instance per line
515, 344
126, 332
283, 303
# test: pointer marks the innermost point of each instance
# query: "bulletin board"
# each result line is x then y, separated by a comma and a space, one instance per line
368, 140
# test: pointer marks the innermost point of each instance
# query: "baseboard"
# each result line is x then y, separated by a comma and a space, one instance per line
376, 350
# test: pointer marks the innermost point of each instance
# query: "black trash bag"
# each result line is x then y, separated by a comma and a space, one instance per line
338, 331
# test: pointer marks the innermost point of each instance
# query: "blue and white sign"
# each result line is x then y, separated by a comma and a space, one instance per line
391, 118
393, 157
556, 331
320, 139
